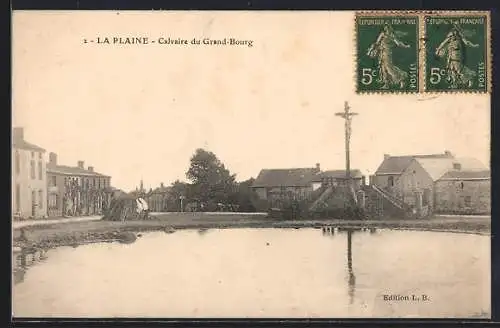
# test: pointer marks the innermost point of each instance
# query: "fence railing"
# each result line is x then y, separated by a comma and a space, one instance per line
391, 198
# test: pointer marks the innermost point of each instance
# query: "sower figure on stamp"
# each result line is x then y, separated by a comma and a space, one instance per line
453, 48
389, 74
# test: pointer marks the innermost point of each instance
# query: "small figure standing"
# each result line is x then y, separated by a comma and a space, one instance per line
382, 49
453, 49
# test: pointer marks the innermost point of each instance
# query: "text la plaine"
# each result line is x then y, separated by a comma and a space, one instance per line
171, 41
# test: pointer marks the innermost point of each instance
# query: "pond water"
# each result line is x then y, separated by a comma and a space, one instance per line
261, 273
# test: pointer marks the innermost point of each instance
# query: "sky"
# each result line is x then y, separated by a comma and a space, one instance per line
140, 111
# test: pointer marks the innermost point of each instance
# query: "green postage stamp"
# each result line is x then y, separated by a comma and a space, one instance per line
456, 52
387, 52
409, 52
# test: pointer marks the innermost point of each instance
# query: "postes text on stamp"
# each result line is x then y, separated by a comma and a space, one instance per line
456, 52
387, 53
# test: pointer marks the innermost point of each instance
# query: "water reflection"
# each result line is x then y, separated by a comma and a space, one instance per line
328, 231
314, 275
352, 277
351, 280
24, 259
202, 232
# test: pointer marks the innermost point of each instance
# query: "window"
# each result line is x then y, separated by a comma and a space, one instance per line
32, 154
40, 156
467, 201
53, 181
33, 170
40, 170
18, 162
390, 181
40, 199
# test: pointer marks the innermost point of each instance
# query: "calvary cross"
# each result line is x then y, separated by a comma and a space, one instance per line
347, 116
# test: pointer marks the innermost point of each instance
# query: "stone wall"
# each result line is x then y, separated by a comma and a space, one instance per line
466, 196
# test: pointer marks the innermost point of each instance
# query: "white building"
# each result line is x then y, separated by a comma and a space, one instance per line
29, 182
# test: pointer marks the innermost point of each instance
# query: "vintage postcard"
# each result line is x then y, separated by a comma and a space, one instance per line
251, 164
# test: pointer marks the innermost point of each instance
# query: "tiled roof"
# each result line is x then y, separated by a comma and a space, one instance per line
22, 144
471, 164
397, 164
337, 174
297, 177
72, 170
466, 175
394, 165
437, 167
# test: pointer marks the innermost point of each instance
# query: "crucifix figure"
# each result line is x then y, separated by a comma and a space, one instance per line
347, 116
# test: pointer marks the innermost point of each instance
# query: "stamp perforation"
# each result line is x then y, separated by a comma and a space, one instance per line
387, 14
488, 53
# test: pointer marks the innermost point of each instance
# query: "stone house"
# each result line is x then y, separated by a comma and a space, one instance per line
336, 177
402, 175
407, 177
467, 192
275, 182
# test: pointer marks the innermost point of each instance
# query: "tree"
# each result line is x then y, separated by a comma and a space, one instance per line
211, 181
245, 196
178, 189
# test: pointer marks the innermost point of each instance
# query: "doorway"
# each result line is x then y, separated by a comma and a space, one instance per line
33, 203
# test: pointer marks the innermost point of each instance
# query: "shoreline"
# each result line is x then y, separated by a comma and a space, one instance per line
85, 232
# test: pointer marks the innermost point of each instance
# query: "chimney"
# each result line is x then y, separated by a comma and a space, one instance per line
318, 167
52, 159
91, 168
80, 164
457, 166
386, 156
18, 134
448, 153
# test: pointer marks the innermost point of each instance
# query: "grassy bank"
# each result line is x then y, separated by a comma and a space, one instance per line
73, 233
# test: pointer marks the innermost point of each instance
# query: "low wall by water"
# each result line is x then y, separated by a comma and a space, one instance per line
210, 213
